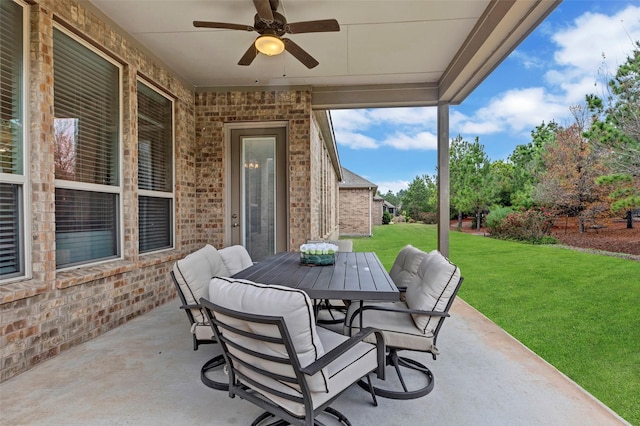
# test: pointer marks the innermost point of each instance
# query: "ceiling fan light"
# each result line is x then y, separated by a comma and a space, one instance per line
269, 45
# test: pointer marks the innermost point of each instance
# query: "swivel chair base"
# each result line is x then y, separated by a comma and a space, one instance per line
397, 362
216, 362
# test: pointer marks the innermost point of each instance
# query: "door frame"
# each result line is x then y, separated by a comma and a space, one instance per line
227, 128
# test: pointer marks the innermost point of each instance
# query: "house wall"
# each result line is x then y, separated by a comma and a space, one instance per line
355, 211
378, 208
307, 159
56, 310
53, 311
324, 189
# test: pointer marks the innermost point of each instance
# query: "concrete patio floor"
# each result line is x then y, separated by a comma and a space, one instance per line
146, 373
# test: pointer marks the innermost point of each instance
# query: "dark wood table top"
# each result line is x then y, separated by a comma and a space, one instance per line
354, 276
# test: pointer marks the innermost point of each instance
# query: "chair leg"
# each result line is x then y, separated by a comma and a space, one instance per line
216, 362
372, 390
393, 359
342, 419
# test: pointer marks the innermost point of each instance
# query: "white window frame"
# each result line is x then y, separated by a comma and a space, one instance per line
112, 189
23, 180
162, 194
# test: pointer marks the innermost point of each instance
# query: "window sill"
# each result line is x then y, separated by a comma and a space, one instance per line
81, 275
18, 290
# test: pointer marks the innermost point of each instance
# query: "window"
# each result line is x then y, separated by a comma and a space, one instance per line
155, 170
12, 145
87, 146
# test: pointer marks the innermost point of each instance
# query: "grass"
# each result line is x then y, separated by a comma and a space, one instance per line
578, 311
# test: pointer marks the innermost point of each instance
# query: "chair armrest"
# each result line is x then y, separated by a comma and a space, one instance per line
393, 309
194, 306
342, 348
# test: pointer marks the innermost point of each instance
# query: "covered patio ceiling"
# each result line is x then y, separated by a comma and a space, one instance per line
387, 53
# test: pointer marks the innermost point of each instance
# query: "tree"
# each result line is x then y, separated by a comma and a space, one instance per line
571, 169
528, 166
503, 173
473, 188
419, 197
615, 130
390, 197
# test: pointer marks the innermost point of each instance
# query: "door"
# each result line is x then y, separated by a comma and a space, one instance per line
259, 213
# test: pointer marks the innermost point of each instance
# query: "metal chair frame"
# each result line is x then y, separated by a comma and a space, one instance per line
239, 382
397, 361
217, 361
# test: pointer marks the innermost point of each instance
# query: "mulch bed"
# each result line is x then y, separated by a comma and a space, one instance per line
613, 235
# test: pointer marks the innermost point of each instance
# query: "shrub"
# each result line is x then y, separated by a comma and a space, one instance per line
529, 225
386, 218
428, 218
496, 216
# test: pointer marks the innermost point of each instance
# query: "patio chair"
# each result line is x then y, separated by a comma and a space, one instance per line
236, 258
278, 359
412, 324
191, 276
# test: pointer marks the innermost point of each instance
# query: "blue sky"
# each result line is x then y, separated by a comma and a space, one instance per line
566, 57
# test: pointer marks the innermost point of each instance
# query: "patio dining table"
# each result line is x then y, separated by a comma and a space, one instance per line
353, 276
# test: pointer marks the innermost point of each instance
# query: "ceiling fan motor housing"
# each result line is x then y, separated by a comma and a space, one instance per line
278, 26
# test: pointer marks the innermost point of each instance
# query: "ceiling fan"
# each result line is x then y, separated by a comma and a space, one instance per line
271, 26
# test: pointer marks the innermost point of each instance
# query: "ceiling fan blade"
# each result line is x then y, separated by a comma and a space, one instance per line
299, 53
263, 7
249, 55
222, 25
320, 26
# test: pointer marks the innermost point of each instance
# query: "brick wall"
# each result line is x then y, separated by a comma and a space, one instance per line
377, 210
212, 110
355, 211
324, 189
56, 310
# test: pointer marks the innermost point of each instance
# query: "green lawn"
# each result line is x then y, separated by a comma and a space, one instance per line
578, 311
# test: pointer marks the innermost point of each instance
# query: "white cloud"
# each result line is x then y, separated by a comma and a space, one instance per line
405, 142
355, 140
516, 110
592, 35
528, 61
350, 119
393, 186
406, 116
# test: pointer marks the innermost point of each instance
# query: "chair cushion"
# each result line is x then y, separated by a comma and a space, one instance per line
293, 305
236, 258
343, 372
404, 271
439, 278
399, 329
193, 274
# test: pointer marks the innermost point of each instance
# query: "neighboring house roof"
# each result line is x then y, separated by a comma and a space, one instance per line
388, 204
351, 180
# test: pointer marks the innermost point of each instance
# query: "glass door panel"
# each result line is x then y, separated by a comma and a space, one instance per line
258, 201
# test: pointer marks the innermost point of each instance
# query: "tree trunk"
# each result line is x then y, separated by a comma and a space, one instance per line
629, 219
581, 224
478, 219
459, 221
